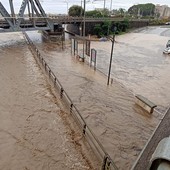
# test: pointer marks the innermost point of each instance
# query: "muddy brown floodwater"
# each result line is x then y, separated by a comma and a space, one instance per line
138, 64
34, 131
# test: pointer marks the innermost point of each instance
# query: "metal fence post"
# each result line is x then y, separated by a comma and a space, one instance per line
71, 107
104, 163
49, 73
45, 66
84, 129
61, 92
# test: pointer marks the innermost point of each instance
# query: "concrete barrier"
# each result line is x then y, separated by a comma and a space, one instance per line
145, 103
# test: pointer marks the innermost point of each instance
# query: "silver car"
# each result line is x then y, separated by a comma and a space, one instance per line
168, 44
166, 50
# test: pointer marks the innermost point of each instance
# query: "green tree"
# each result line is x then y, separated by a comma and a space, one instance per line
103, 29
105, 12
97, 13
106, 27
121, 26
142, 10
76, 10
121, 12
94, 13
98, 30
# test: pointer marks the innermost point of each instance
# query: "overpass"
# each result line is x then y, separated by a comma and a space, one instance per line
72, 20
31, 16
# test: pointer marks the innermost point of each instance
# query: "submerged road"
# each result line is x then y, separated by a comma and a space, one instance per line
139, 64
121, 126
35, 131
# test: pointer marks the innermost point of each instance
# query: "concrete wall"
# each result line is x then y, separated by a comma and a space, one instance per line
75, 28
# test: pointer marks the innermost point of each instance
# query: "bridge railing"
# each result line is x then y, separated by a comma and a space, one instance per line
70, 18
107, 162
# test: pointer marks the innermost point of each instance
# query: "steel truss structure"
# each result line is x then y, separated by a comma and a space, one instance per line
31, 16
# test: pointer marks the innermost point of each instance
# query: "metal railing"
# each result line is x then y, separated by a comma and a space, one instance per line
70, 18
107, 162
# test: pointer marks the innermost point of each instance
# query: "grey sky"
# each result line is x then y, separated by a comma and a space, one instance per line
60, 6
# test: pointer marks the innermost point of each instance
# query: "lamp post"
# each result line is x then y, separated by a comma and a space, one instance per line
110, 6
111, 56
104, 5
84, 27
66, 1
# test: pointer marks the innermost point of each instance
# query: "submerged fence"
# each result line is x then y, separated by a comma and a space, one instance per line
95, 144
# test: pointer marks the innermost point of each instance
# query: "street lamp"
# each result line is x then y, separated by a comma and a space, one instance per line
110, 6
111, 55
104, 5
84, 27
66, 1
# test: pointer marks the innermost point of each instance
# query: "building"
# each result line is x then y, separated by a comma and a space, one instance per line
163, 11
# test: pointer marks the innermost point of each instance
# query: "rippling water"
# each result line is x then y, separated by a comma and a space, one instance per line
139, 64
121, 126
29, 120
34, 131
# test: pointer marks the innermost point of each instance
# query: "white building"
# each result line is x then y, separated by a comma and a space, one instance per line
163, 10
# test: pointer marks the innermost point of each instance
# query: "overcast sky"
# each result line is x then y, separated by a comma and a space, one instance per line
60, 6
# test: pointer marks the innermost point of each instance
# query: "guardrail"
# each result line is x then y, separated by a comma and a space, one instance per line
68, 20
107, 162
87, 18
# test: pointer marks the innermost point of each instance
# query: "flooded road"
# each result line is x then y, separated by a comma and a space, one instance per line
138, 63
121, 126
35, 133
34, 130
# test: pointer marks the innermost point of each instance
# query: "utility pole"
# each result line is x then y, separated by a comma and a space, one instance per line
66, 1
111, 56
110, 6
84, 27
104, 4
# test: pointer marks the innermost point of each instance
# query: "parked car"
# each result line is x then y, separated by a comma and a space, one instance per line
168, 44
167, 23
166, 50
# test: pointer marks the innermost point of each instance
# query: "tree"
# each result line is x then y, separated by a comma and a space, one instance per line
105, 12
76, 10
121, 11
98, 30
107, 28
103, 29
142, 10
94, 13
98, 13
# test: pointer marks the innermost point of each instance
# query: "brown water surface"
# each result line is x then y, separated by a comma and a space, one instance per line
121, 126
34, 131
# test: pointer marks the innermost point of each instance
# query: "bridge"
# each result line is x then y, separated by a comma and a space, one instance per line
72, 20
31, 16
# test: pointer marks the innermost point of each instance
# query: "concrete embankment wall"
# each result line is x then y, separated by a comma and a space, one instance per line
76, 27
